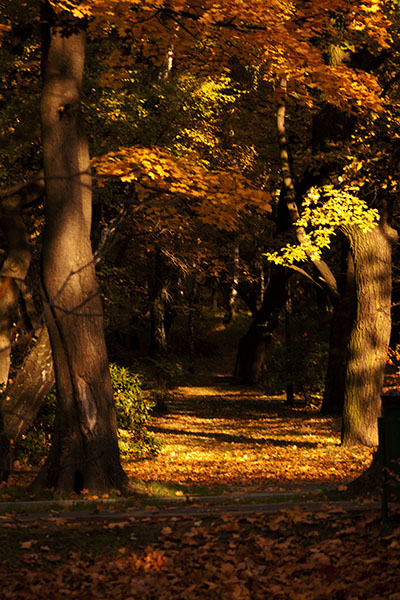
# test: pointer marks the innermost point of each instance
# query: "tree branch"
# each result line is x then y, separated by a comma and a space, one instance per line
290, 194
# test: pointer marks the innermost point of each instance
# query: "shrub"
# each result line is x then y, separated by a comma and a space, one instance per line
165, 371
133, 410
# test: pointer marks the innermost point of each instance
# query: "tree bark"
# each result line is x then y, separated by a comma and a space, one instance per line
23, 398
369, 338
84, 451
12, 274
290, 379
159, 288
253, 345
340, 330
192, 299
230, 295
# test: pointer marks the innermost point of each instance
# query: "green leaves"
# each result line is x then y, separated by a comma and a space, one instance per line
133, 413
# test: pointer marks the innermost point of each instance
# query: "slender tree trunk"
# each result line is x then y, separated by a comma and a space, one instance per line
159, 288
213, 286
253, 345
192, 298
289, 352
84, 451
369, 339
231, 295
261, 281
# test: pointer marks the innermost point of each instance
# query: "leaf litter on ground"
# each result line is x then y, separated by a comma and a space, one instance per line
242, 439
293, 555
237, 440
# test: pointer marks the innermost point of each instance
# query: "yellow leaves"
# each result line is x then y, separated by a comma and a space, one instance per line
211, 451
217, 197
373, 6
77, 11
372, 20
324, 211
348, 88
265, 33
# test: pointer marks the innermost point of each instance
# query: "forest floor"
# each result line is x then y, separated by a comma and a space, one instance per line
227, 452
218, 437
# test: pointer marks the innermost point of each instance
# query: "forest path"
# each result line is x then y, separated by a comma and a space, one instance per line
219, 437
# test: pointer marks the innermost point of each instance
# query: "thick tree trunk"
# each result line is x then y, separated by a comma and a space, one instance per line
23, 398
84, 451
341, 326
251, 354
370, 333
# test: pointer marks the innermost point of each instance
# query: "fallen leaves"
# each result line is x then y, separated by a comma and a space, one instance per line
28, 544
216, 439
290, 556
246, 443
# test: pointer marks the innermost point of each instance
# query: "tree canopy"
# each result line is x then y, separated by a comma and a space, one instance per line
247, 145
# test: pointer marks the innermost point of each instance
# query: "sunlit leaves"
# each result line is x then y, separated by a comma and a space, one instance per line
277, 34
4, 27
324, 211
263, 447
73, 8
219, 195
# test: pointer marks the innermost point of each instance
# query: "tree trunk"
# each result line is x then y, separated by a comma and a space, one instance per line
23, 398
12, 274
369, 339
192, 299
230, 295
251, 354
250, 360
84, 451
252, 346
289, 351
159, 288
341, 326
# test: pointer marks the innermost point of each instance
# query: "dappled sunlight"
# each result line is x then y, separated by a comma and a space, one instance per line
218, 391
263, 446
